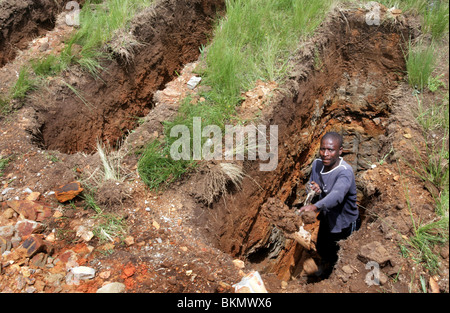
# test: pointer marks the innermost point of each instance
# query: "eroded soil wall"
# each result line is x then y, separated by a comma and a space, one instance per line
107, 107
340, 82
23, 20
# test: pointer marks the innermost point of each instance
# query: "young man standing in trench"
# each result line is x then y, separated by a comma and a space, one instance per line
333, 182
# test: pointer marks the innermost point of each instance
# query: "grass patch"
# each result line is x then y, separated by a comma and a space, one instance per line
108, 226
157, 168
255, 41
48, 65
4, 106
420, 63
23, 85
436, 19
421, 246
434, 167
3, 164
435, 14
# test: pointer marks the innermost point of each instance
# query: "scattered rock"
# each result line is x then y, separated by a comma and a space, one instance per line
8, 214
347, 269
128, 271
67, 192
28, 227
84, 233
7, 231
434, 286
33, 196
112, 288
33, 244
5, 245
79, 273
31, 210
239, 263
129, 240
39, 260
374, 251
193, 82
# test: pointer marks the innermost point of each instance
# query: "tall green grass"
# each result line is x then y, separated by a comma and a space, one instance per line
420, 64
436, 19
254, 41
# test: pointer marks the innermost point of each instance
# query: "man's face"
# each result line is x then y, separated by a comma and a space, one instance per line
330, 151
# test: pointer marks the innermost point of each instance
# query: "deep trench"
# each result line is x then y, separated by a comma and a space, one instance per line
107, 108
340, 82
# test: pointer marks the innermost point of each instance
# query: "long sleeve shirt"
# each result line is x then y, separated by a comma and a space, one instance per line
337, 201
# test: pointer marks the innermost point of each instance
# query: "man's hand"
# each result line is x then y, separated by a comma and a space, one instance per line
314, 186
308, 208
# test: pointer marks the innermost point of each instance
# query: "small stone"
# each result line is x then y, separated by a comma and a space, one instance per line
39, 285
51, 237
39, 260
104, 274
239, 263
374, 251
84, 233
28, 227
383, 278
30, 209
7, 231
129, 240
347, 269
67, 192
33, 196
5, 245
193, 82
8, 213
444, 252
129, 271
33, 244
112, 288
83, 272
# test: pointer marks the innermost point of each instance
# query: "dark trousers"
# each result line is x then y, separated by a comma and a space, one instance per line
327, 242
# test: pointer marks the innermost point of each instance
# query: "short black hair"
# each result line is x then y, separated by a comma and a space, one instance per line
334, 136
